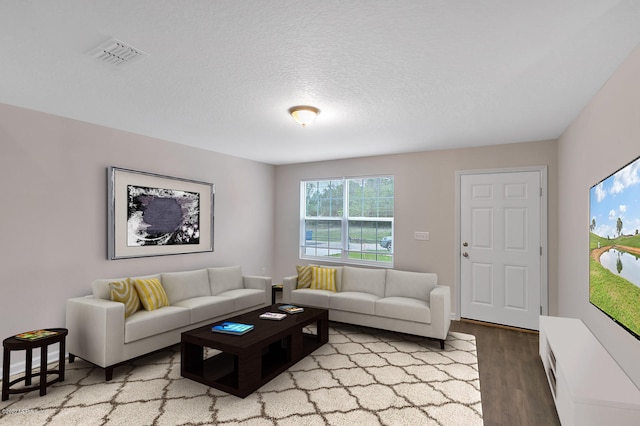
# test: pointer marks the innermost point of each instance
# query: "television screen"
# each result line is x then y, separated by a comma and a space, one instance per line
614, 246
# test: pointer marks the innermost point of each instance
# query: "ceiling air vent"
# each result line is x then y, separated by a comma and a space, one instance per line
117, 53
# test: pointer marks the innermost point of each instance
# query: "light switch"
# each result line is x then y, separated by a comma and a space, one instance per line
421, 235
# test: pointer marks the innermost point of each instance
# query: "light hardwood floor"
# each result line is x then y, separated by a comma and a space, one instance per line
512, 379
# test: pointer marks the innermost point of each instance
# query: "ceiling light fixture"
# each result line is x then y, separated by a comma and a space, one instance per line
304, 114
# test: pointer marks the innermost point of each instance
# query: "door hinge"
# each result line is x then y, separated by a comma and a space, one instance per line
541, 191
540, 250
540, 310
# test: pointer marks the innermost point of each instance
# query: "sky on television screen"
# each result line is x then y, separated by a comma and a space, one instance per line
618, 196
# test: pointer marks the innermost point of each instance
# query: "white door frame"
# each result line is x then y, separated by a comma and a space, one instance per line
544, 243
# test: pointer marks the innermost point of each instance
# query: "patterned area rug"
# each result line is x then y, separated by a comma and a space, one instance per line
362, 376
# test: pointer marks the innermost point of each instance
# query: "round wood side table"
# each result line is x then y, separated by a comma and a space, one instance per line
15, 344
275, 288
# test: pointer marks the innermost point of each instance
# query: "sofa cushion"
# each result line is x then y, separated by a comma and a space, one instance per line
365, 280
244, 297
185, 285
403, 308
416, 285
304, 276
151, 293
207, 307
323, 278
101, 288
308, 297
125, 292
225, 278
353, 301
149, 323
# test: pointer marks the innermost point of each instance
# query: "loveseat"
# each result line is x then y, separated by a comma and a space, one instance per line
100, 333
389, 299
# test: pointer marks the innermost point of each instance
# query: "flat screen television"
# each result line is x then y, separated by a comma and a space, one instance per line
614, 246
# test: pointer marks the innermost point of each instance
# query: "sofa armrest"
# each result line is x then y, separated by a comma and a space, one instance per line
288, 284
259, 283
440, 304
96, 330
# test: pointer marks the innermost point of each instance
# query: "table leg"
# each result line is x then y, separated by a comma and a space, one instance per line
296, 348
61, 360
6, 364
192, 358
249, 369
28, 367
43, 370
322, 328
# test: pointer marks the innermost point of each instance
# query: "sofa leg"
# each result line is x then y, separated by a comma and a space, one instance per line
72, 358
441, 343
108, 373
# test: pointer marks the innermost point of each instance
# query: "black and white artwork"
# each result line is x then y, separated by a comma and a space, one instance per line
155, 215
159, 217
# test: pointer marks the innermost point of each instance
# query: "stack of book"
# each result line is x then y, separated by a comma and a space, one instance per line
291, 309
235, 328
273, 316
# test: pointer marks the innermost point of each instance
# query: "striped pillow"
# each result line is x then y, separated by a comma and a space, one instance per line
151, 293
304, 276
125, 292
323, 278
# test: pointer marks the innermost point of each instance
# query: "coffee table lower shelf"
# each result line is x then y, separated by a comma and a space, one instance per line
243, 367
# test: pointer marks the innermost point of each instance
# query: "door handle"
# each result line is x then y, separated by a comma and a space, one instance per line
465, 244
465, 254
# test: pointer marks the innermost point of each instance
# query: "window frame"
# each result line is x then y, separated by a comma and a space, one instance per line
344, 220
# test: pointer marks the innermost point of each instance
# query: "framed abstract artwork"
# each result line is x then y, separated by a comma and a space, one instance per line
155, 215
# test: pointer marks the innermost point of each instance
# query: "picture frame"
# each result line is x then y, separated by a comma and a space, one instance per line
155, 215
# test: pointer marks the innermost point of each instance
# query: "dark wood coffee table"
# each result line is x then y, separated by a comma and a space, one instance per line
249, 361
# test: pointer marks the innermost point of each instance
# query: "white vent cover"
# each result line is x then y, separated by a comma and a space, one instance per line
116, 52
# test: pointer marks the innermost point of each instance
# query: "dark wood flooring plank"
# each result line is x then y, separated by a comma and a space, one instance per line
512, 380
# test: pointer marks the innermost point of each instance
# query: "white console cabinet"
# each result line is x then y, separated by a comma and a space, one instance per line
588, 386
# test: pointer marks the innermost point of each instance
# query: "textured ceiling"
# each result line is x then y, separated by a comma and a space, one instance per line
388, 76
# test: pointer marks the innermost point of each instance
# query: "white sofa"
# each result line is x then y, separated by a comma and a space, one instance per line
100, 333
407, 302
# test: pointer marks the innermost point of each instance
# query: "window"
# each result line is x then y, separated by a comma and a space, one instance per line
347, 220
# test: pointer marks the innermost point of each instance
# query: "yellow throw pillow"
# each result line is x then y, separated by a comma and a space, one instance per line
151, 293
125, 292
323, 278
304, 276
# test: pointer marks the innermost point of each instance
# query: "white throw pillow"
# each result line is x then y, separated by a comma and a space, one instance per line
416, 285
366, 280
225, 279
186, 285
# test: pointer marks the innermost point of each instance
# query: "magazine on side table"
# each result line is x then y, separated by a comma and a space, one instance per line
35, 335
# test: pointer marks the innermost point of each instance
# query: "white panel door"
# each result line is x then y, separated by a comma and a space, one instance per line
500, 274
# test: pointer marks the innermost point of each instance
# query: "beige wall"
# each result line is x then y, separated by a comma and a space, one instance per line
53, 215
424, 201
604, 137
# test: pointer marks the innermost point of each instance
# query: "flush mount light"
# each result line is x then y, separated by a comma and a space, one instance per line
304, 114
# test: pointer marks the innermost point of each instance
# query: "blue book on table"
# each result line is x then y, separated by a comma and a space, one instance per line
228, 327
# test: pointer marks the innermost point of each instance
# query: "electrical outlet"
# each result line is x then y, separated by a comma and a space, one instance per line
423, 236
